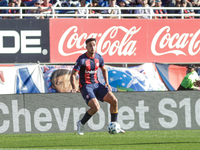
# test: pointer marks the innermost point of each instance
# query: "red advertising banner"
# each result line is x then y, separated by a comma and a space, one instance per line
126, 40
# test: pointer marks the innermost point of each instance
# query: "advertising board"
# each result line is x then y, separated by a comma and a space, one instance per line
24, 40
127, 40
56, 113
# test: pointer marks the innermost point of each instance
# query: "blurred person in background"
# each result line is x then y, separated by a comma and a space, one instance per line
186, 11
151, 3
133, 3
189, 81
123, 3
189, 4
24, 11
144, 11
39, 10
178, 4
112, 3
94, 3
103, 3
3, 3
12, 3
165, 3
160, 11
29, 2
196, 3
46, 3
82, 3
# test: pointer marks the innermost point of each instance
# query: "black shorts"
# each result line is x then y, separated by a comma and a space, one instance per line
95, 90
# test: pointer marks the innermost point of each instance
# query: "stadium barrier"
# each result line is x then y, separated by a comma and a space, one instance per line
127, 42
58, 113
70, 12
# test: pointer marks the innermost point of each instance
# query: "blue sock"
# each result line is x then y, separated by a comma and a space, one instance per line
85, 118
114, 117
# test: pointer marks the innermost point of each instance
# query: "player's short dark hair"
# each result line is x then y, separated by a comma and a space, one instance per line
90, 39
58, 73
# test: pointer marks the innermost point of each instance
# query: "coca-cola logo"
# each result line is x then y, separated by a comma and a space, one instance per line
126, 46
175, 43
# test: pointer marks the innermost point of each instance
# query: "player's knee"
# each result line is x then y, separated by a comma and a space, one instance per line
114, 102
95, 108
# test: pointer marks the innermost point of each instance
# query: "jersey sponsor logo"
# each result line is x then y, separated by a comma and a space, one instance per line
91, 72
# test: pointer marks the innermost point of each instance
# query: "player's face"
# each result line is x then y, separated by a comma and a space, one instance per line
62, 84
91, 48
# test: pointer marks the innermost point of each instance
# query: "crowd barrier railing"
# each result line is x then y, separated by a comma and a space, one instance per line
54, 13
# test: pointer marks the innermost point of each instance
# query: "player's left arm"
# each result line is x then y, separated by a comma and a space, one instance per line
105, 76
72, 81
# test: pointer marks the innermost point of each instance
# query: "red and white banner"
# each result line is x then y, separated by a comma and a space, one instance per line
127, 40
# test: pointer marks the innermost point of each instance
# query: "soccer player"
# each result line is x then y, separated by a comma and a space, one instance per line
91, 89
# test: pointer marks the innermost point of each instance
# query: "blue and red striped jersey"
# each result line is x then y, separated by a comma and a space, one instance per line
87, 68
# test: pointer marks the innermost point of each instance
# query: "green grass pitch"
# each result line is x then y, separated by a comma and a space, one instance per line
138, 140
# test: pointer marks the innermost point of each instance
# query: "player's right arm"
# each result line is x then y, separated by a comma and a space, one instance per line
72, 80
